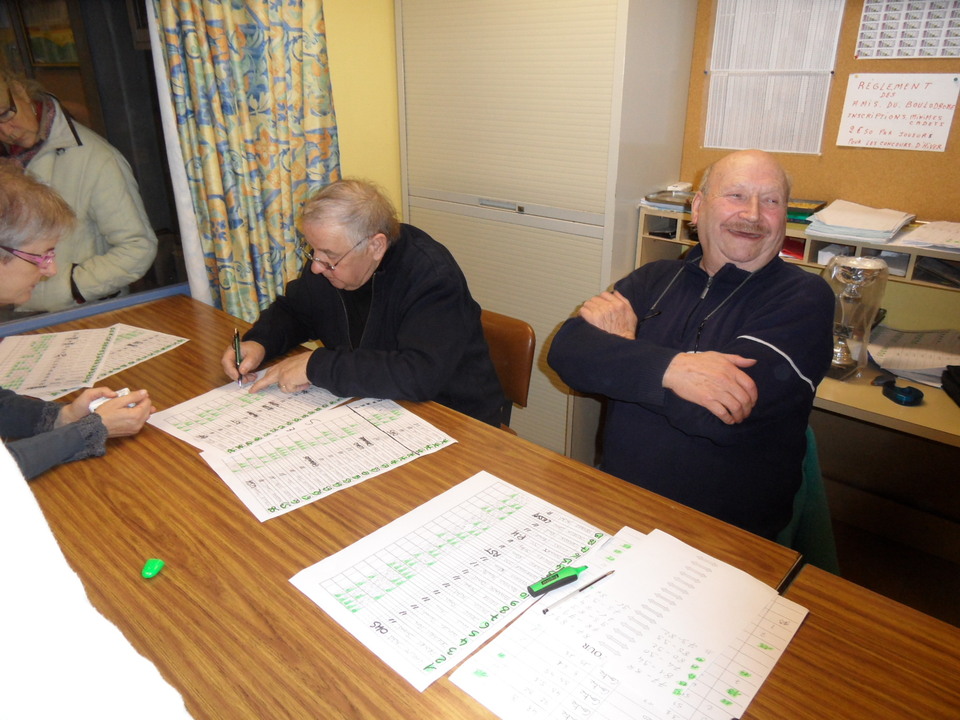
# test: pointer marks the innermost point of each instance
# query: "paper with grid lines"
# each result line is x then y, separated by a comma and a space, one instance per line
426, 590
626, 648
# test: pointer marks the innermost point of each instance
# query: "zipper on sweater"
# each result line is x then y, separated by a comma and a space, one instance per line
706, 288
696, 307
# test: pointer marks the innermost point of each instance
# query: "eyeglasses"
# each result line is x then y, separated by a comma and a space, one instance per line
42, 261
309, 254
8, 114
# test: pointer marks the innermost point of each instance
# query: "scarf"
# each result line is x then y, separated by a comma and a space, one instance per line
46, 111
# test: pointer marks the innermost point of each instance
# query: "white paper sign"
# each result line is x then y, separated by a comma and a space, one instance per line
910, 111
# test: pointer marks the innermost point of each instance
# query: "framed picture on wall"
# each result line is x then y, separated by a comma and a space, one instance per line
49, 35
9, 49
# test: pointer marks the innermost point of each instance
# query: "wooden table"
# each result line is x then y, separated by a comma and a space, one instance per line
861, 655
222, 622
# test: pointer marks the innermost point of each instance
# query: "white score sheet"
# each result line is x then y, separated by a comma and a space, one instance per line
671, 634
323, 453
426, 590
231, 418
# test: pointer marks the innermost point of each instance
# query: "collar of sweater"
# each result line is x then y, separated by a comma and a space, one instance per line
729, 274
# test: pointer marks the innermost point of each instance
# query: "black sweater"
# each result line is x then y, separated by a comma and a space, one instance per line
422, 339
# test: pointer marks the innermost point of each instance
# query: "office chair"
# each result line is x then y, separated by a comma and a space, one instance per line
810, 532
511, 343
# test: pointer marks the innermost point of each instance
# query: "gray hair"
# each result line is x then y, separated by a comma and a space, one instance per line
35, 91
29, 210
358, 206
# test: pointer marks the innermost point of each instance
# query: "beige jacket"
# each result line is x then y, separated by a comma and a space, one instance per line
113, 243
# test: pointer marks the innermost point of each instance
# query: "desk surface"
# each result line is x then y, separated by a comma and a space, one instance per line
861, 655
222, 622
936, 418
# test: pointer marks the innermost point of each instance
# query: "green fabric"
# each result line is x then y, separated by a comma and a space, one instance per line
810, 531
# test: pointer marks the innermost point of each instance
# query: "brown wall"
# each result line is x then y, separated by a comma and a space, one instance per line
924, 183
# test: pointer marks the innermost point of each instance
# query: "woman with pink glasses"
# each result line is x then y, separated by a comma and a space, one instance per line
40, 434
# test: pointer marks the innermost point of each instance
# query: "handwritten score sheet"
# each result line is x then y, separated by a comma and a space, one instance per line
426, 590
323, 453
672, 634
133, 345
50, 365
231, 418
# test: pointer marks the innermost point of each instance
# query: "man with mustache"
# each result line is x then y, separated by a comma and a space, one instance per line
710, 363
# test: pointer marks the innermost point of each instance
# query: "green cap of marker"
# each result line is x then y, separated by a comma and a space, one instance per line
152, 567
561, 577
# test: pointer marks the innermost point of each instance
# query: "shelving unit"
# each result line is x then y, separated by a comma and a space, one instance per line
665, 234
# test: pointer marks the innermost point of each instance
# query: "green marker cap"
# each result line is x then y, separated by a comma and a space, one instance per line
563, 576
152, 567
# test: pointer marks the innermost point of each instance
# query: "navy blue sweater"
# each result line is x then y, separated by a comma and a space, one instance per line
746, 473
422, 339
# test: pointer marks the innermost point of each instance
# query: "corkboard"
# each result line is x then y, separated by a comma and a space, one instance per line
924, 183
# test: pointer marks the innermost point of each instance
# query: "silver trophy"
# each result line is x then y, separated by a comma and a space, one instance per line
858, 283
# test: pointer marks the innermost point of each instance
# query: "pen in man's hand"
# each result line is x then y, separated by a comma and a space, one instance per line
236, 350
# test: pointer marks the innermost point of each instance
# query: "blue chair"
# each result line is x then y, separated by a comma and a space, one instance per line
810, 531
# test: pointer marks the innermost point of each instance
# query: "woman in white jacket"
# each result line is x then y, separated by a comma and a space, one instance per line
113, 243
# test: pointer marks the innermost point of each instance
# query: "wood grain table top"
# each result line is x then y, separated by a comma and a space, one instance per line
861, 655
222, 622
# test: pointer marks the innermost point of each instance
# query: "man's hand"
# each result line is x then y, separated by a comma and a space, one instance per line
289, 374
612, 312
714, 381
252, 354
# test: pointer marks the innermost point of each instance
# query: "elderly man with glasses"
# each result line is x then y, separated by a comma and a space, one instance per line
389, 305
113, 243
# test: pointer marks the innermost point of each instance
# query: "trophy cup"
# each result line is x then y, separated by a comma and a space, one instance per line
858, 283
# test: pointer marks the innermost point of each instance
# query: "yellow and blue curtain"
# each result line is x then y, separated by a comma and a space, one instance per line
250, 87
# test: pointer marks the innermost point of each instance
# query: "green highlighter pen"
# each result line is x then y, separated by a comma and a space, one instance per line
563, 576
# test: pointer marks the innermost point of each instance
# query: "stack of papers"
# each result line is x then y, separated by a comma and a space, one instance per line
51, 365
939, 235
918, 356
673, 634
281, 451
653, 627
846, 220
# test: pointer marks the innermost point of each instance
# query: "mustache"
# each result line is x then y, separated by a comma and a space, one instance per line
746, 227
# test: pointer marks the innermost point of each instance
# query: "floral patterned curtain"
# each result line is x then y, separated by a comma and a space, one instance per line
250, 88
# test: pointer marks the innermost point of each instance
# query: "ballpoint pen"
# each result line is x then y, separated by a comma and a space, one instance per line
239, 357
574, 594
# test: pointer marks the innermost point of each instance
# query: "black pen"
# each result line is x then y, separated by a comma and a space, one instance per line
574, 594
236, 350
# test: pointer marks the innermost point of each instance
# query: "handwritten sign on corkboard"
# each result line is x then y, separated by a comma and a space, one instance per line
899, 112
